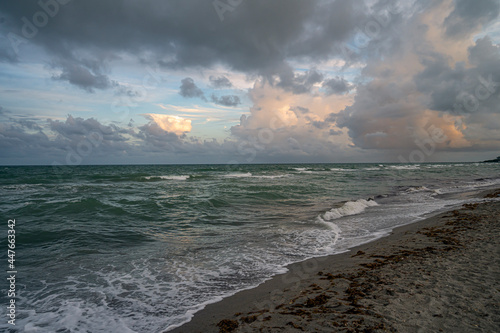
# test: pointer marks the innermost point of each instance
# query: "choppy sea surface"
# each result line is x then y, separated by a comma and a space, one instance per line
142, 248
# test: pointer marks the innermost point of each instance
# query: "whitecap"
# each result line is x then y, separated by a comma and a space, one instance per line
238, 175
405, 167
348, 208
172, 177
271, 177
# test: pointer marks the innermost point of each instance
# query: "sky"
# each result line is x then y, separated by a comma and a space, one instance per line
240, 81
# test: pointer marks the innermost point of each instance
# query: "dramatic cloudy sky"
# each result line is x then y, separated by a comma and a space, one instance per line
240, 81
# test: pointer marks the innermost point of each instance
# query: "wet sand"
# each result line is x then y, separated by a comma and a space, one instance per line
439, 274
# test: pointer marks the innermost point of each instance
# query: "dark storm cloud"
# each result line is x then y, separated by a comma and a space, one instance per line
261, 38
320, 124
337, 85
441, 82
462, 89
226, 100
22, 139
16, 141
156, 139
87, 141
189, 89
485, 54
84, 77
220, 82
381, 107
80, 141
257, 36
328, 24
471, 92
469, 15
377, 33
298, 83
30, 124
24, 121
389, 112
75, 129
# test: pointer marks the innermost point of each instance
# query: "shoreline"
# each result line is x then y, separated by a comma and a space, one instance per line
355, 289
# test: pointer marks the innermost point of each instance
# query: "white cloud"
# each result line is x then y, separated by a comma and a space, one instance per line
173, 124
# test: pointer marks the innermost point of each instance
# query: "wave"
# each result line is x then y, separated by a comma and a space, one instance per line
271, 177
342, 170
199, 176
179, 177
348, 208
303, 170
238, 175
312, 170
438, 166
405, 167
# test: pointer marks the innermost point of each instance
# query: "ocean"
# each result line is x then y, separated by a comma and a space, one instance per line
142, 248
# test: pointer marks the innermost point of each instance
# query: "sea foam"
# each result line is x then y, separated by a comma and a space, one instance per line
348, 208
173, 177
238, 175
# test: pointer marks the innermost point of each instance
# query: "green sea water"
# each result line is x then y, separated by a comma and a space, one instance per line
142, 248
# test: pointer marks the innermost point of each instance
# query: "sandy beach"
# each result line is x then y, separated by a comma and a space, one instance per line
439, 274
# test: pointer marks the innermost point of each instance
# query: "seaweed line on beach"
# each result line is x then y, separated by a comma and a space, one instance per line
361, 301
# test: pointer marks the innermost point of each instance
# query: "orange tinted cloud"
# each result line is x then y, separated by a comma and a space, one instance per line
174, 124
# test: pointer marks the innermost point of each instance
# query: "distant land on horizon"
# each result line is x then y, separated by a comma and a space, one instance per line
496, 160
